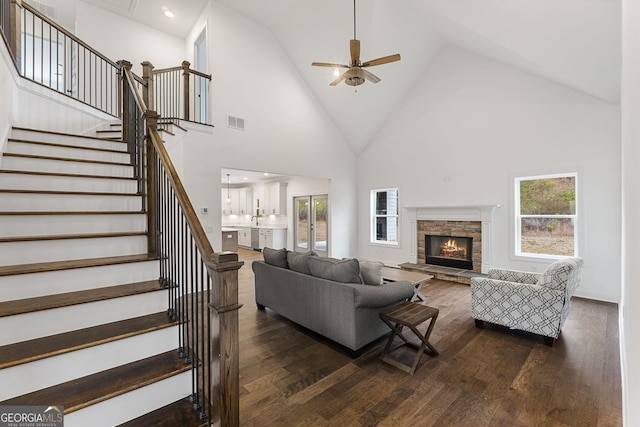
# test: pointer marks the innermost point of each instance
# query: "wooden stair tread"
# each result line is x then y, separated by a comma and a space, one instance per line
30, 305
64, 159
53, 345
57, 133
70, 236
42, 267
83, 392
179, 413
60, 145
70, 193
66, 175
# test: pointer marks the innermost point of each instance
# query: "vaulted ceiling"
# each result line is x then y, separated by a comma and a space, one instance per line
572, 42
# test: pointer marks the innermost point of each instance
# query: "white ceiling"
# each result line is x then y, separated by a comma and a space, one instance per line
572, 42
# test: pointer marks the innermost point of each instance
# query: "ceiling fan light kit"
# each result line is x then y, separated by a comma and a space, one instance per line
356, 74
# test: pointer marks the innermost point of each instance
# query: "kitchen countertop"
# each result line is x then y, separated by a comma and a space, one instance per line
270, 227
229, 229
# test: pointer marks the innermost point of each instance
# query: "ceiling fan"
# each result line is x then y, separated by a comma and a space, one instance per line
356, 73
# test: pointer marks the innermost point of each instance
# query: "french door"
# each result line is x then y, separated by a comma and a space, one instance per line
311, 229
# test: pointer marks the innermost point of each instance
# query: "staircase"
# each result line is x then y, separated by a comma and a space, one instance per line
83, 320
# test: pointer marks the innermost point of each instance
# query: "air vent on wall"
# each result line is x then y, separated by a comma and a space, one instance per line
235, 122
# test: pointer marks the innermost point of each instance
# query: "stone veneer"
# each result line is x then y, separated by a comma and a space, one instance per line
452, 228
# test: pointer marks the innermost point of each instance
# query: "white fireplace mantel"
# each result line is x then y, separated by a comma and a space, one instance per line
482, 213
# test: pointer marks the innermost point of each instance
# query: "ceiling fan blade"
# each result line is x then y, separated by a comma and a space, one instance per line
371, 77
328, 64
383, 60
339, 79
354, 48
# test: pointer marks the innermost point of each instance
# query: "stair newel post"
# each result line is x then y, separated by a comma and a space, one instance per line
225, 347
185, 77
14, 32
148, 89
151, 119
128, 116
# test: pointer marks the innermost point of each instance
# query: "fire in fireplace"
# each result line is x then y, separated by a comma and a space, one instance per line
449, 251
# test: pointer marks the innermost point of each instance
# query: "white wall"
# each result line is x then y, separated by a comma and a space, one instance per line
468, 127
630, 307
286, 130
119, 38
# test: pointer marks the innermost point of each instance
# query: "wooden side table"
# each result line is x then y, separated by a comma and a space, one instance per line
410, 314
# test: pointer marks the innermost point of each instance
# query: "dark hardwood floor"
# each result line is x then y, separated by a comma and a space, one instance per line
290, 376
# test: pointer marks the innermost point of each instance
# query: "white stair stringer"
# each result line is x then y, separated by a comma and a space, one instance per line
28, 326
32, 285
119, 409
32, 376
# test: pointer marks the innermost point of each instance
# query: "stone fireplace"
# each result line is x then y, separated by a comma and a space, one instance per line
463, 233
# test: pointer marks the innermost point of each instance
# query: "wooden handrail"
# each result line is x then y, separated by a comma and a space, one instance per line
180, 68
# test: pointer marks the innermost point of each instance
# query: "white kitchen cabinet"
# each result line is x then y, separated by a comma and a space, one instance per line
275, 238
241, 201
244, 237
276, 199
245, 197
266, 238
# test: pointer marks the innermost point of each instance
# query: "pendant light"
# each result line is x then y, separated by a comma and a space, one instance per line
228, 197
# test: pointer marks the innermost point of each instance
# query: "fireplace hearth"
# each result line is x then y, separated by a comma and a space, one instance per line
449, 251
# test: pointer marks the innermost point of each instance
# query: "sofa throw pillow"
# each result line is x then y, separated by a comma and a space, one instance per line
298, 261
275, 257
371, 272
344, 271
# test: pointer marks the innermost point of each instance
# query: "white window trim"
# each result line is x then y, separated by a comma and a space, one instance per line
373, 216
577, 217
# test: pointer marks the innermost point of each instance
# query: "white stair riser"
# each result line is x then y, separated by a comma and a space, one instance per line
58, 282
68, 140
120, 409
109, 133
50, 371
38, 225
17, 253
70, 167
66, 152
26, 202
66, 183
23, 327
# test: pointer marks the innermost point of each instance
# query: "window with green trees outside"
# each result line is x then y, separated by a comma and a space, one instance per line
546, 209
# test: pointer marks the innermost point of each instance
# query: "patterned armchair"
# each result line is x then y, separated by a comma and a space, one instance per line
532, 302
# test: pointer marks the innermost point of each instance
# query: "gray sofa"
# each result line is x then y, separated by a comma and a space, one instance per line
346, 313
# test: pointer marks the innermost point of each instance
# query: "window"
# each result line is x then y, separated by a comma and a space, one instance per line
384, 218
546, 211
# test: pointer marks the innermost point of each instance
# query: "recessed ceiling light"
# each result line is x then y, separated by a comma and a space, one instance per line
168, 13
336, 72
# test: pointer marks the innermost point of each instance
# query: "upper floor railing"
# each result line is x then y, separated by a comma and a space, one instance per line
50, 55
